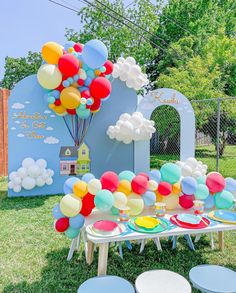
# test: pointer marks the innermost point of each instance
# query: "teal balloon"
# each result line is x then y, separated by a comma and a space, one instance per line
83, 114
201, 180
224, 199
115, 211
90, 73
104, 200
127, 175
72, 233
170, 172
201, 192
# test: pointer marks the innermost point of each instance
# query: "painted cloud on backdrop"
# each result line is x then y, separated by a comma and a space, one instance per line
51, 140
131, 128
18, 106
31, 174
130, 72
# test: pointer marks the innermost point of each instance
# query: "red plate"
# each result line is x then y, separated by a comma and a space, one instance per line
181, 224
105, 225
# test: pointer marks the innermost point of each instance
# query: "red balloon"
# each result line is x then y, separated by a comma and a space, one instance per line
62, 225
71, 111
144, 174
85, 212
78, 47
85, 94
68, 64
57, 102
80, 82
96, 105
100, 88
215, 182
109, 67
110, 181
88, 201
164, 188
186, 201
139, 184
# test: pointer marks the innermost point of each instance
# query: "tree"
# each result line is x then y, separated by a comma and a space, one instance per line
19, 68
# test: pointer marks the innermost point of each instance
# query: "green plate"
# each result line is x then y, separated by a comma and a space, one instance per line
158, 229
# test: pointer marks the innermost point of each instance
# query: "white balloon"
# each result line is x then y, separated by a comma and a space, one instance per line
10, 185
41, 163
127, 140
192, 162
40, 181
130, 60
49, 181
22, 172
115, 74
50, 172
16, 180
12, 175
28, 162
17, 188
125, 67
126, 127
123, 76
196, 174
124, 117
130, 83
121, 60
34, 171
186, 170
28, 183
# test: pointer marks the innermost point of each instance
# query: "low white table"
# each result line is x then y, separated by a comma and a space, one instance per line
103, 242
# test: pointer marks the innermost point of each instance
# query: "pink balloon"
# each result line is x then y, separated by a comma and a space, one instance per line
186, 201
215, 182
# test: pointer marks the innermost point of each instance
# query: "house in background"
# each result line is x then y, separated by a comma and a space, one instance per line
74, 160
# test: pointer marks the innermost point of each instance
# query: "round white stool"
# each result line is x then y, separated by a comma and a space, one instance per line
161, 281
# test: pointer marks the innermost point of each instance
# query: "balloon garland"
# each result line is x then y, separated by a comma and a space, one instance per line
77, 79
116, 191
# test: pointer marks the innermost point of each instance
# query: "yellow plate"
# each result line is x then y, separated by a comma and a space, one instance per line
212, 216
147, 222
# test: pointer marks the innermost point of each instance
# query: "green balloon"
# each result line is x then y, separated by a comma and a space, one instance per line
72, 233
201, 180
127, 175
115, 211
104, 200
170, 172
224, 199
201, 192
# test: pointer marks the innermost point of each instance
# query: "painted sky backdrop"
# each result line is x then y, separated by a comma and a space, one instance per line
26, 25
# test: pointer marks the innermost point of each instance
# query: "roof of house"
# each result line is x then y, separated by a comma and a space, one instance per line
73, 150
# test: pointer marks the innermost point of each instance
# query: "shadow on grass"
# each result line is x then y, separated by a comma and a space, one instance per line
62, 276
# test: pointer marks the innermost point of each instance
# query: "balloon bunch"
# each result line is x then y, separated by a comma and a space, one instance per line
77, 77
31, 174
131, 128
130, 72
192, 167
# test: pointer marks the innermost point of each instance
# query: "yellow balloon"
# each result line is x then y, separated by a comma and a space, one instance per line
159, 197
80, 188
94, 186
176, 188
135, 203
70, 206
171, 201
125, 187
51, 52
49, 76
52, 106
70, 98
59, 109
120, 200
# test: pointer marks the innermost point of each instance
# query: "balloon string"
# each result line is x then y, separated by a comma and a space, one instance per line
76, 131
68, 129
72, 126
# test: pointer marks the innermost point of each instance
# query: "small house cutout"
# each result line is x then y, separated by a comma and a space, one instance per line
74, 160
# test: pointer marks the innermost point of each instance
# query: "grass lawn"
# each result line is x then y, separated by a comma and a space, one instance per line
206, 154
33, 256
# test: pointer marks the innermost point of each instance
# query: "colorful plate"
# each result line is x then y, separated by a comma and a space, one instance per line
105, 226
119, 230
189, 219
203, 224
225, 215
159, 228
211, 215
147, 222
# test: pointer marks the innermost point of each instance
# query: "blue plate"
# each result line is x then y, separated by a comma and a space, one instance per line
225, 215
188, 218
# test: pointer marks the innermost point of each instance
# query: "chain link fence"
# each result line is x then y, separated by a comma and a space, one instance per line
215, 135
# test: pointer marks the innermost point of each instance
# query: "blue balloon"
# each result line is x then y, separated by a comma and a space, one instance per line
70, 79
149, 198
209, 202
230, 184
87, 177
65, 83
155, 175
85, 66
90, 102
87, 81
68, 185
188, 185
55, 94
94, 54
77, 222
76, 77
68, 45
83, 88
56, 212
104, 200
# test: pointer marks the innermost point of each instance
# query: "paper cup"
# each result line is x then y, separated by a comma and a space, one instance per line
198, 207
124, 214
160, 209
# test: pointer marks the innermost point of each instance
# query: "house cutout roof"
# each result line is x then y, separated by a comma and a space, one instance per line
70, 151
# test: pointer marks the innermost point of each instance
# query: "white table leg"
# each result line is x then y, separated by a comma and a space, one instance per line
90, 252
197, 238
83, 234
78, 242
143, 243
212, 241
72, 249
221, 240
158, 243
102, 259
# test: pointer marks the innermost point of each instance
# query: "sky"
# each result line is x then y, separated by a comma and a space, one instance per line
25, 25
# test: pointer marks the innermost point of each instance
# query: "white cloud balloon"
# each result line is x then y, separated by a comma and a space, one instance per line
192, 167
130, 72
131, 128
30, 175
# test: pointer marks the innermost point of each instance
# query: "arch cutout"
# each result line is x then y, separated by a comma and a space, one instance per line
147, 105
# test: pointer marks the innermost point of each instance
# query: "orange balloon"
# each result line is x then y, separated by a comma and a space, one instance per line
159, 197
51, 52
125, 187
52, 106
80, 188
59, 109
176, 188
70, 98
